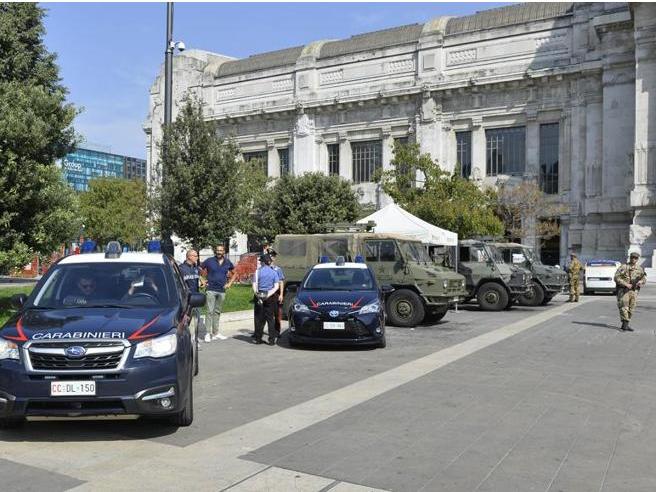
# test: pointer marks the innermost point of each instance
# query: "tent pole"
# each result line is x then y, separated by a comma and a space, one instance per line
456, 246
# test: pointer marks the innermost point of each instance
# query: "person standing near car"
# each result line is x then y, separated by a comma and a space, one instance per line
265, 287
574, 271
281, 290
628, 279
218, 270
191, 272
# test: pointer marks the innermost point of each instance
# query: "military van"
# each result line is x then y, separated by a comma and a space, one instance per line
422, 290
547, 280
495, 284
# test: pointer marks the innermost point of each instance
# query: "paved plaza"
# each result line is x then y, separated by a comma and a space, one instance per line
547, 399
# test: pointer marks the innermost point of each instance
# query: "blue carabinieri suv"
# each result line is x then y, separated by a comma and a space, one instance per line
102, 334
338, 303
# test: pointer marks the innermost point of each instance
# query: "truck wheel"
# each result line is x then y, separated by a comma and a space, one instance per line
11, 423
547, 300
186, 416
533, 297
435, 316
405, 308
492, 297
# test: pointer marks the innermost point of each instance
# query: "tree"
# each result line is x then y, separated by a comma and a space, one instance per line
527, 211
444, 199
37, 209
205, 189
303, 205
115, 209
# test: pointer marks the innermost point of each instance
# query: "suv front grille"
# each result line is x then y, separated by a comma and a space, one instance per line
352, 329
51, 356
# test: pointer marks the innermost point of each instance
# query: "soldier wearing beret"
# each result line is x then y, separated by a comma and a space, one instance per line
628, 279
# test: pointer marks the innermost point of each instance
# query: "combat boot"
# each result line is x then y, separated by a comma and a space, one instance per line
627, 327
624, 325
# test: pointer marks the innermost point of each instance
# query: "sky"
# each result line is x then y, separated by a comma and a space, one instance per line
110, 53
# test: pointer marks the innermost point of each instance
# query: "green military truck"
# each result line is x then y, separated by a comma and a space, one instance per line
547, 280
493, 283
422, 290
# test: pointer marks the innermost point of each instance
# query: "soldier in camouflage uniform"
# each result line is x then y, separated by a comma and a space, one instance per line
629, 278
574, 271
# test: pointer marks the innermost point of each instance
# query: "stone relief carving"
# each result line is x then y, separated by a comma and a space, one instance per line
331, 77
400, 66
282, 84
304, 125
462, 56
225, 93
551, 43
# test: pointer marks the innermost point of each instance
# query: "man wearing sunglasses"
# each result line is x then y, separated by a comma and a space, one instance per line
85, 291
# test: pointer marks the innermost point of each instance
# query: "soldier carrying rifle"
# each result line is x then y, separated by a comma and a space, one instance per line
629, 278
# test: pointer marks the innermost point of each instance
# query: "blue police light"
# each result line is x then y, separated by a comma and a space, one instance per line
359, 259
154, 246
113, 250
323, 259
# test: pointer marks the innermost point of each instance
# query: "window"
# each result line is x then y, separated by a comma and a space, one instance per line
333, 159
549, 158
506, 150
475, 254
332, 248
283, 155
291, 247
463, 153
261, 156
380, 251
367, 158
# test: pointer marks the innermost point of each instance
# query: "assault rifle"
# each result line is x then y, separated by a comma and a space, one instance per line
635, 285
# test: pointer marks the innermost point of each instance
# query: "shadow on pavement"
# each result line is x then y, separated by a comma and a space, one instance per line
87, 430
601, 325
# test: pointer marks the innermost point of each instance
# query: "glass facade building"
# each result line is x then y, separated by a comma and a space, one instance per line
82, 165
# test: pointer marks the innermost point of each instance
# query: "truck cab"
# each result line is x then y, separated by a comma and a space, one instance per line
422, 290
495, 284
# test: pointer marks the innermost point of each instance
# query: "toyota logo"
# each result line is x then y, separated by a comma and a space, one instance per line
75, 352
333, 314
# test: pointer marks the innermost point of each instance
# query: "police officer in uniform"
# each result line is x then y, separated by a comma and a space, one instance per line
281, 289
190, 271
628, 279
265, 286
574, 270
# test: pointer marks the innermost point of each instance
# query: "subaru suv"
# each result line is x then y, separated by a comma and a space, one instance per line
102, 334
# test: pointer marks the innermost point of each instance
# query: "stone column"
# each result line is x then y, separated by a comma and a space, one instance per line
532, 145
428, 136
593, 141
303, 156
273, 160
388, 145
478, 150
565, 152
345, 161
643, 195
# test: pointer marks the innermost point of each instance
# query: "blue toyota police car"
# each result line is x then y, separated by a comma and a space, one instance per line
102, 334
338, 303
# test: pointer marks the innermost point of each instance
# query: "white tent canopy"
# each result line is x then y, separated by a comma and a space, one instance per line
392, 219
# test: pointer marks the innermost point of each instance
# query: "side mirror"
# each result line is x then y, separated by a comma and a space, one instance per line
18, 300
386, 289
197, 300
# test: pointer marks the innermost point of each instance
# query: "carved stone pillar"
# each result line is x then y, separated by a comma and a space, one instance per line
594, 139
388, 145
428, 135
643, 195
273, 160
345, 159
478, 150
532, 145
303, 156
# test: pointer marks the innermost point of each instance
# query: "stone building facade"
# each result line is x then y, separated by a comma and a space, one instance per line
562, 93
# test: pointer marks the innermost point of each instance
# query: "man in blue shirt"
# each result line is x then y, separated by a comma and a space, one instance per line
265, 286
190, 271
218, 269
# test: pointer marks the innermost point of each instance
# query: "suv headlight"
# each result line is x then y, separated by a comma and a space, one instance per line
157, 347
300, 308
372, 307
445, 284
8, 350
462, 284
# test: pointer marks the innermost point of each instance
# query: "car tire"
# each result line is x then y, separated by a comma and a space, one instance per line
185, 417
435, 316
196, 357
547, 299
492, 297
287, 304
534, 297
405, 308
11, 423
383, 342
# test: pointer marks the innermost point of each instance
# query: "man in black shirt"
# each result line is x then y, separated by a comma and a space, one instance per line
190, 271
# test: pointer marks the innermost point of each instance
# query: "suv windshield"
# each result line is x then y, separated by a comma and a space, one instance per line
415, 251
494, 253
339, 279
531, 256
105, 284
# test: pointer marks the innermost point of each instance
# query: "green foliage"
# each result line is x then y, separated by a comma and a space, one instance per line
6, 307
303, 205
206, 191
115, 209
444, 199
37, 210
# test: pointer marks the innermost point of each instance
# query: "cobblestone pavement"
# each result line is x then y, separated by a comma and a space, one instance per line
552, 398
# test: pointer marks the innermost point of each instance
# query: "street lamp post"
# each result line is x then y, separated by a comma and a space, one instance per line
166, 242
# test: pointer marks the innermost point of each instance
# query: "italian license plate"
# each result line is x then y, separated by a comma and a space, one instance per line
72, 388
333, 325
